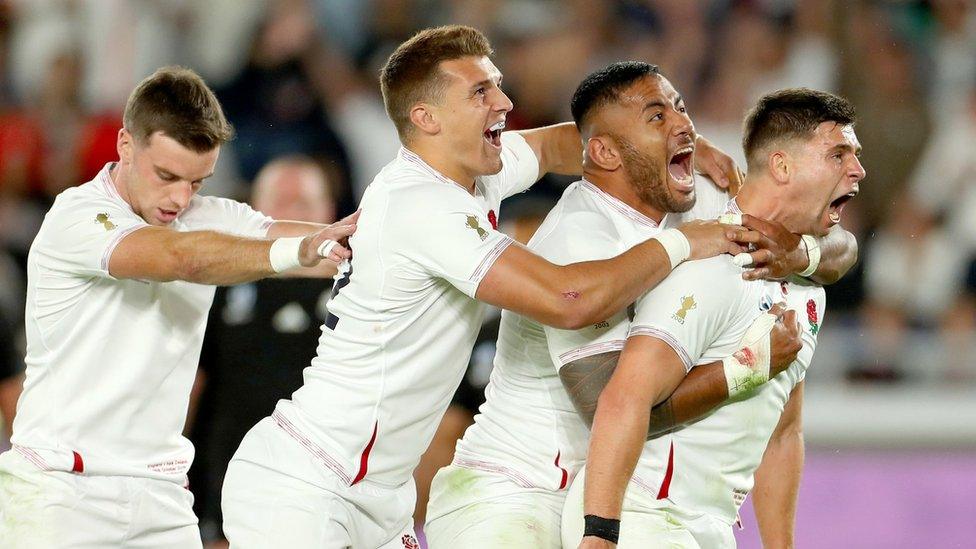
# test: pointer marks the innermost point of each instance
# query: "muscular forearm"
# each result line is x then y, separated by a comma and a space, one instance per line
594, 290
838, 253
207, 257
619, 430
776, 489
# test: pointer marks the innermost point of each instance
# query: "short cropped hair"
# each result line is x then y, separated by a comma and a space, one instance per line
412, 73
604, 86
178, 103
792, 113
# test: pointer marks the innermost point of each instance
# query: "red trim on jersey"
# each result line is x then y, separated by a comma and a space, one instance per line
666, 483
364, 459
565, 479
79, 465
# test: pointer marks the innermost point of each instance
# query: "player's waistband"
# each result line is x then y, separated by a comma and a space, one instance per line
86, 463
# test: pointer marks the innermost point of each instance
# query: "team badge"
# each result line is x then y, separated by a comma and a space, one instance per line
409, 542
812, 317
472, 223
493, 219
103, 219
687, 304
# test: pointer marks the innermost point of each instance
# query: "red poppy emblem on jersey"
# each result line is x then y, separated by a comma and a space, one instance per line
493, 219
409, 542
812, 317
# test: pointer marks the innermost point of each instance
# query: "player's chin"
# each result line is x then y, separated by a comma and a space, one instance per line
492, 164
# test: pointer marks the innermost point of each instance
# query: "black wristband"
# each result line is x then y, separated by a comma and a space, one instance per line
603, 528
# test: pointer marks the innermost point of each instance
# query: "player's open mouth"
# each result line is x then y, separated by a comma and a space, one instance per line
837, 206
493, 135
167, 215
680, 167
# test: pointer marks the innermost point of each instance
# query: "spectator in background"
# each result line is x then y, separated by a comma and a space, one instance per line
260, 337
274, 105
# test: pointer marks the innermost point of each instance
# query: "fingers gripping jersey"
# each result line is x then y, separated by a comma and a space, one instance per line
403, 318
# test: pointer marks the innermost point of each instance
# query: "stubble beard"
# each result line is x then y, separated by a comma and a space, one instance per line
645, 176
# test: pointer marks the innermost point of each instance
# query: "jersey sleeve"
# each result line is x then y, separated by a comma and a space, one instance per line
520, 166
571, 238
79, 236
692, 307
227, 216
454, 241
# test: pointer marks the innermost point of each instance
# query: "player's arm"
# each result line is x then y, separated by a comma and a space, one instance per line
649, 369
559, 149
209, 257
778, 476
783, 254
701, 391
572, 296
286, 229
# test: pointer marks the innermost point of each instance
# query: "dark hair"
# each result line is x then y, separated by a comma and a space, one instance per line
177, 102
792, 113
412, 73
604, 86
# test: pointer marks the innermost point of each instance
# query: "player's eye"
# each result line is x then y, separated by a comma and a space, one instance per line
657, 116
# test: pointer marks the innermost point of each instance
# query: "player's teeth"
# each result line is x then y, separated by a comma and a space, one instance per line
835, 217
499, 126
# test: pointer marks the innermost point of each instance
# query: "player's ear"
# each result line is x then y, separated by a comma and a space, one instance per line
602, 152
780, 166
123, 146
425, 119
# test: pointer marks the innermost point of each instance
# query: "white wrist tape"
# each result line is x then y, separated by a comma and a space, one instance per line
326, 248
284, 254
812, 246
675, 244
748, 367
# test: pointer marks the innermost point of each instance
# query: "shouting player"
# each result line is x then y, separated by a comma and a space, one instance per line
332, 466
684, 489
508, 481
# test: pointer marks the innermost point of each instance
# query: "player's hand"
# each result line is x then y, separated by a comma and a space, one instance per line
784, 339
711, 238
593, 542
330, 243
778, 253
717, 165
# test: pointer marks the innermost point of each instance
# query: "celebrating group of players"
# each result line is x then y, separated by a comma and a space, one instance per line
633, 339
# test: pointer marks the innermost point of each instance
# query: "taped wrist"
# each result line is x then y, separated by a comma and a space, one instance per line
285, 253
675, 244
812, 246
603, 528
748, 367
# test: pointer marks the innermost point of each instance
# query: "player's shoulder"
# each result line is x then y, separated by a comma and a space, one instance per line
79, 202
718, 270
576, 231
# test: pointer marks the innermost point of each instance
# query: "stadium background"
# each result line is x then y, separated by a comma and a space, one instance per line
890, 412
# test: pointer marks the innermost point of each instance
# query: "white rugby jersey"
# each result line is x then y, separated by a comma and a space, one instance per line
701, 311
528, 429
110, 362
403, 318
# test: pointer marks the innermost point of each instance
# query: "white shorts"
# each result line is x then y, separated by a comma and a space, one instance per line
43, 509
478, 509
646, 523
276, 494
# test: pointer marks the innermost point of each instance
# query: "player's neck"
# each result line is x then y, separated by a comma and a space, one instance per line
118, 178
435, 157
622, 189
761, 197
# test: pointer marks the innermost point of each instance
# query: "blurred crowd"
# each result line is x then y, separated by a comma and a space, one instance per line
298, 80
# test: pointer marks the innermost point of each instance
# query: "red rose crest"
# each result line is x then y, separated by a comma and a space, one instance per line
812, 317
409, 542
493, 219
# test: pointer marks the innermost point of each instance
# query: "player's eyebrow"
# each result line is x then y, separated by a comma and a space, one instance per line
163, 172
845, 147
654, 103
